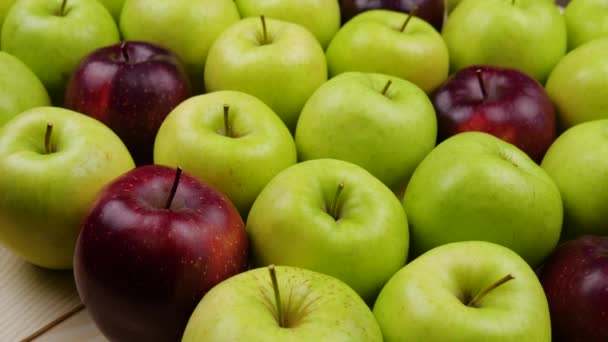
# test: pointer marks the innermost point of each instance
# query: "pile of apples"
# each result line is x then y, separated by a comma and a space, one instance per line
312, 170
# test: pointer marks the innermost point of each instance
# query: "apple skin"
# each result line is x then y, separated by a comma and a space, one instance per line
432, 11
425, 300
52, 45
186, 27
44, 197
21, 89
575, 278
317, 307
515, 108
528, 35
240, 60
5, 6
364, 246
485, 189
193, 137
418, 54
577, 85
577, 164
586, 20
141, 269
131, 87
114, 7
321, 17
394, 132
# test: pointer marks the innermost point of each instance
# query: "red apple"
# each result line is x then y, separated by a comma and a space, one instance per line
151, 246
504, 102
130, 87
432, 11
575, 279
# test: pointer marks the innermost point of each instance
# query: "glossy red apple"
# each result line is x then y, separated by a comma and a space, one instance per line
145, 258
432, 11
503, 102
130, 87
575, 279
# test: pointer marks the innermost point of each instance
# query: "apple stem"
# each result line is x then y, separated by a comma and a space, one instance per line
123, 51
277, 295
61, 12
264, 30
47, 138
178, 173
227, 126
388, 85
482, 85
409, 17
335, 208
481, 294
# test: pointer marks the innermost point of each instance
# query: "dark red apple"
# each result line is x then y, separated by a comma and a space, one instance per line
504, 102
575, 279
145, 258
130, 87
433, 11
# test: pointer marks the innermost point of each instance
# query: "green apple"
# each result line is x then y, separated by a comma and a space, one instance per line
280, 63
5, 6
333, 217
321, 17
52, 36
577, 85
21, 89
451, 5
529, 35
474, 186
470, 291
577, 163
394, 122
187, 27
49, 176
586, 20
114, 6
230, 139
288, 305
391, 43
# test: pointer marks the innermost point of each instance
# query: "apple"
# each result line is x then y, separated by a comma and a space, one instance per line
131, 87
187, 27
391, 43
114, 7
528, 35
577, 163
382, 123
451, 5
21, 89
52, 36
333, 217
53, 161
432, 11
280, 63
464, 291
5, 6
282, 303
577, 85
475, 186
152, 244
504, 102
575, 279
321, 17
586, 20
227, 138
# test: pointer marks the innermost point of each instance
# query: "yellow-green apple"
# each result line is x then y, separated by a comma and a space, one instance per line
187, 27
475, 186
53, 161
577, 163
321, 17
21, 89
52, 36
529, 35
282, 303
382, 123
391, 43
333, 217
577, 85
432, 11
5, 6
153, 243
114, 7
471, 291
229, 139
586, 20
280, 63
